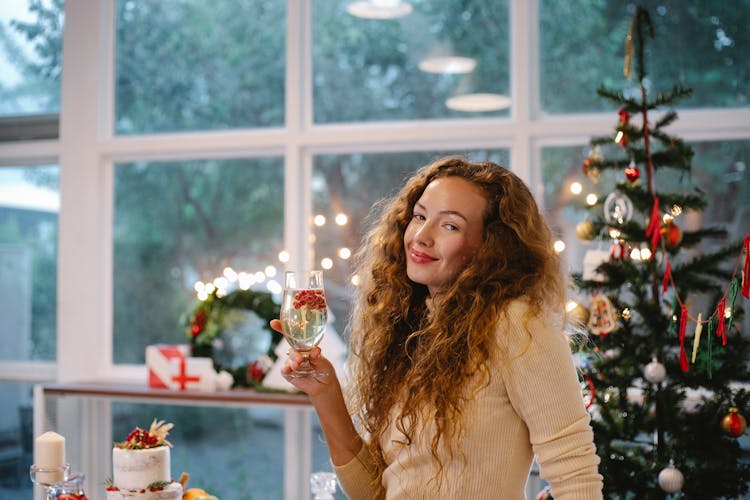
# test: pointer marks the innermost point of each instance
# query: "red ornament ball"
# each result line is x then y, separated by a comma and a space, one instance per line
672, 234
733, 423
632, 173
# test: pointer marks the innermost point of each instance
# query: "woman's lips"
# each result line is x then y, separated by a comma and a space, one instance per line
420, 258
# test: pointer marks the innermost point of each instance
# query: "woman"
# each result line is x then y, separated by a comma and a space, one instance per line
460, 372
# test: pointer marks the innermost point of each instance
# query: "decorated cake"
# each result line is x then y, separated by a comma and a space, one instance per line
141, 468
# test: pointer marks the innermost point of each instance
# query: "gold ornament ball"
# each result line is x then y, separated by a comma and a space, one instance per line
585, 230
580, 314
734, 423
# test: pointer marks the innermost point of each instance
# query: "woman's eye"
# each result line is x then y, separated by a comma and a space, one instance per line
419, 216
451, 227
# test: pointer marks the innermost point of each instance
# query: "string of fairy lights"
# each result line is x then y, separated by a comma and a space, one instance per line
231, 279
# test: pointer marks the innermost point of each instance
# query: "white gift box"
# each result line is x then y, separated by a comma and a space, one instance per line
171, 367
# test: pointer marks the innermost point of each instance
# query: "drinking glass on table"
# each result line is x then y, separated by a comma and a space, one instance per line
303, 317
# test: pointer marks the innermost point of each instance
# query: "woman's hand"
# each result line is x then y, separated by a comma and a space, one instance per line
313, 386
325, 394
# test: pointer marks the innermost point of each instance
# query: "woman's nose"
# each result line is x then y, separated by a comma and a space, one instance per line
423, 236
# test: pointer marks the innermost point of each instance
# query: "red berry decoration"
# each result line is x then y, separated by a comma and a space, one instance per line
733, 423
255, 371
312, 299
198, 323
624, 116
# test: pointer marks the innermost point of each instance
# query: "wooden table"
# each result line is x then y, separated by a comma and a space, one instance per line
82, 409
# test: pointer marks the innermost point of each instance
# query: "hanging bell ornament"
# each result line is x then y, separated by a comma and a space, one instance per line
671, 479
585, 230
655, 372
733, 423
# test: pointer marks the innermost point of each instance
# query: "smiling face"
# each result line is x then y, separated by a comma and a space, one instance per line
444, 232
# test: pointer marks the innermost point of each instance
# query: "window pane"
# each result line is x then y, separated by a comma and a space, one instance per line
349, 185
30, 56
702, 44
29, 204
16, 440
373, 65
177, 223
194, 65
231, 453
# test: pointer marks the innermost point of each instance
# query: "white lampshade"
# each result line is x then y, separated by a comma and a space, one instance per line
448, 64
478, 102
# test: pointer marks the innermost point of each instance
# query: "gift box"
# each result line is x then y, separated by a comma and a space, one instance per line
171, 367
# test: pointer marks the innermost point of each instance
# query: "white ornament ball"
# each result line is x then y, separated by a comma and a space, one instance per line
671, 479
224, 381
655, 372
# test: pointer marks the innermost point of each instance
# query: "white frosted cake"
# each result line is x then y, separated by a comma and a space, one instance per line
140, 466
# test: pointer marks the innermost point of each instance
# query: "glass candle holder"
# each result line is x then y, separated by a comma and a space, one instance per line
46, 476
70, 489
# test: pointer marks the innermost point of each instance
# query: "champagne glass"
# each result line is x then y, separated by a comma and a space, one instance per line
303, 317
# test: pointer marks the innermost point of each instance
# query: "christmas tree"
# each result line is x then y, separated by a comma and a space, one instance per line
666, 363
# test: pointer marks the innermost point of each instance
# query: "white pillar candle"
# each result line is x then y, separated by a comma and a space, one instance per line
49, 452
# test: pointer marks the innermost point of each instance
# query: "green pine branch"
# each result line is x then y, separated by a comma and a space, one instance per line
677, 93
692, 238
704, 273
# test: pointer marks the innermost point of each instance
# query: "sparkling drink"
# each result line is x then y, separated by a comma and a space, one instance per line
303, 317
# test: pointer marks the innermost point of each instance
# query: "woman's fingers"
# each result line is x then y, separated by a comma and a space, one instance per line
314, 353
276, 325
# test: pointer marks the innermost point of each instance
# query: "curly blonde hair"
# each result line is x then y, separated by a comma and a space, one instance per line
406, 357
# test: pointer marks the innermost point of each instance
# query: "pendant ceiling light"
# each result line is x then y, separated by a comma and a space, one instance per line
478, 102
448, 64
379, 9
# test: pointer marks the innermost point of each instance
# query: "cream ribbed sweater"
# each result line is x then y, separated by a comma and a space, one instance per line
532, 406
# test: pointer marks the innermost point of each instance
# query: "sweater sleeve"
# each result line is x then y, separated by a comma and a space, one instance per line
356, 477
544, 390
